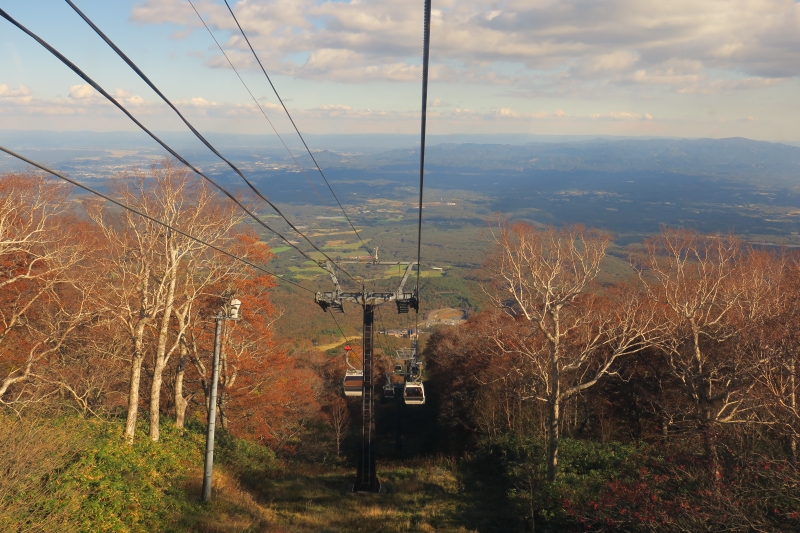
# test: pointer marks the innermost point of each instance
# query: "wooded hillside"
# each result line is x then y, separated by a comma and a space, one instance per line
662, 402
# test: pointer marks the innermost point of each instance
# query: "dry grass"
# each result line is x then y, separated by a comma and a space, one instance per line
421, 497
232, 510
32, 450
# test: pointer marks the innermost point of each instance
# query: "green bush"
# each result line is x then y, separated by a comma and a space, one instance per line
96, 482
629, 487
131, 488
509, 474
250, 461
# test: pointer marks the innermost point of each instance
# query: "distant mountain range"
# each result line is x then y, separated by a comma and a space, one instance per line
738, 159
629, 186
735, 158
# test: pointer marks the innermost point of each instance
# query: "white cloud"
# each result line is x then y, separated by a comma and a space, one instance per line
683, 45
83, 92
621, 115
334, 107
199, 101
20, 92
21, 95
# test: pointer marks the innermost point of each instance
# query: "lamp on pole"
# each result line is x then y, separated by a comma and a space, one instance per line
230, 312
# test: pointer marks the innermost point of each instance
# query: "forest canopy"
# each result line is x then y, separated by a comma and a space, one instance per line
663, 401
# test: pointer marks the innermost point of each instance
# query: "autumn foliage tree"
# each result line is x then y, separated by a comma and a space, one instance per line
45, 288
155, 275
568, 336
707, 288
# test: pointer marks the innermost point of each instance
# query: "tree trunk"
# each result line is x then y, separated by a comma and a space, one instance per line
181, 403
555, 400
161, 358
554, 416
710, 445
793, 404
155, 399
709, 442
133, 386
552, 438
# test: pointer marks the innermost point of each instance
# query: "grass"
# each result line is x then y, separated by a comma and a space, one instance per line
421, 495
331, 345
101, 484
343, 247
305, 273
394, 272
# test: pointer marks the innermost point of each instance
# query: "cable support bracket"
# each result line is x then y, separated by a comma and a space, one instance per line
334, 300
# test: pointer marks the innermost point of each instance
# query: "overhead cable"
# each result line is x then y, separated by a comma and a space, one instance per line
296, 128
172, 152
425, 54
296, 162
197, 134
152, 135
426, 48
383, 347
136, 211
340, 328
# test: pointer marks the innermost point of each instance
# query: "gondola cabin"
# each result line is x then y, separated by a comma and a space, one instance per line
353, 383
398, 369
388, 391
414, 394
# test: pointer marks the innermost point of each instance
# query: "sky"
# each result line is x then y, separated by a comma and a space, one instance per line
707, 68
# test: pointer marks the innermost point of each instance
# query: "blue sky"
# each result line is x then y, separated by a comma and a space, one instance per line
619, 67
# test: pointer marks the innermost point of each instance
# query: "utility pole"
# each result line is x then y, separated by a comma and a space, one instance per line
231, 312
366, 477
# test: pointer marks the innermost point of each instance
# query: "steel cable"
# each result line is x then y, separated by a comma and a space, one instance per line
296, 162
152, 135
197, 134
136, 211
346, 340
296, 128
425, 56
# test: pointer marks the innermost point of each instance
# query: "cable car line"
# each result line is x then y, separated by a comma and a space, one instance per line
136, 211
303, 170
424, 119
382, 326
197, 134
346, 340
426, 48
296, 128
152, 135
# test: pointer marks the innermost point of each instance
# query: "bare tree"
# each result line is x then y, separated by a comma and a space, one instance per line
131, 291
44, 297
568, 337
768, 333
339, 420
188, 204
149, 263
701, 285
202, 277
